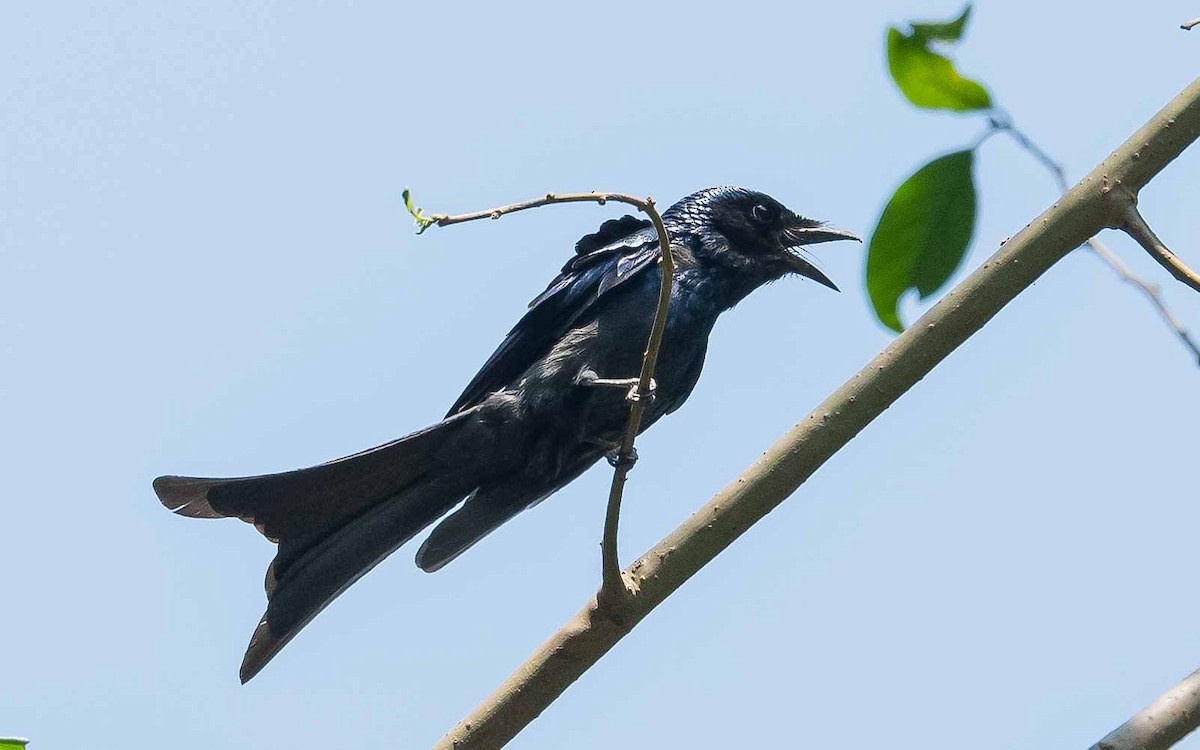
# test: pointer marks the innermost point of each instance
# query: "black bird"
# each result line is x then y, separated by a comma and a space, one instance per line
533, 419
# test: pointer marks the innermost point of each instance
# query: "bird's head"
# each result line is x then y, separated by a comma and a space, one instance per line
759, 233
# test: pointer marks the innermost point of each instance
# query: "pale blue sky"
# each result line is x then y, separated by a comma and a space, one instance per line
205, 268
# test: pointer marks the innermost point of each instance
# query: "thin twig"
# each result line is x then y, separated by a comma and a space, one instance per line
1005, 124
645, 205
1153, 292
613, 588
1190, 24
1172, 716
1137, 228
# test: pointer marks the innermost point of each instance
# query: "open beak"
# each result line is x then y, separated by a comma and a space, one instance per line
807, 232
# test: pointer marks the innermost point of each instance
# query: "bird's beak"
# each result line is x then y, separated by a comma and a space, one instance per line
806, 232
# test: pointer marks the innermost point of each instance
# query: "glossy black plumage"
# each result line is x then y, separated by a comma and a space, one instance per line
525, 426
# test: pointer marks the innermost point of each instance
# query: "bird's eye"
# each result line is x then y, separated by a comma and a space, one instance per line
761, 213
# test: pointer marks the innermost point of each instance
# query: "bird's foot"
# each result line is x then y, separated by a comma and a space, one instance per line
591, 379
617, 460
636, 395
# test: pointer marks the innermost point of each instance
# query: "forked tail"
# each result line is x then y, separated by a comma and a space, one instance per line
336, 521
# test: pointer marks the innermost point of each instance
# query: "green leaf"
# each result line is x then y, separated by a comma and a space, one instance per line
942, 31
423, 221
13, 743
922, 235
928, 78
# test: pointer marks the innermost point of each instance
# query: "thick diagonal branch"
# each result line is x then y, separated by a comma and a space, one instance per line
1079, 214
1172, 716
613, 588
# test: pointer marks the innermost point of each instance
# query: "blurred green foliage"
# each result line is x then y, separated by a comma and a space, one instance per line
926, 227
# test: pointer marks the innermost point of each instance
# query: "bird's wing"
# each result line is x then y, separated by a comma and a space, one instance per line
617, 252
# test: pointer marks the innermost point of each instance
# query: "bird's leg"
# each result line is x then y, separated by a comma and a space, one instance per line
589, 378
616, 460
612, 453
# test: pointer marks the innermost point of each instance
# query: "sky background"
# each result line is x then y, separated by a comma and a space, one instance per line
206, 268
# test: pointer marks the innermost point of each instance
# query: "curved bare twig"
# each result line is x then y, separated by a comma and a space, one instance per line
613, 587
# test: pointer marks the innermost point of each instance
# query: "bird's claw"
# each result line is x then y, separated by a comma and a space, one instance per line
617, 460
591, 379
635, 395
587, 378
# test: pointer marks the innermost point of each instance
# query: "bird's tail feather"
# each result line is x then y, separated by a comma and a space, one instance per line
324, 571
308, 501
336, 521
462, 529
